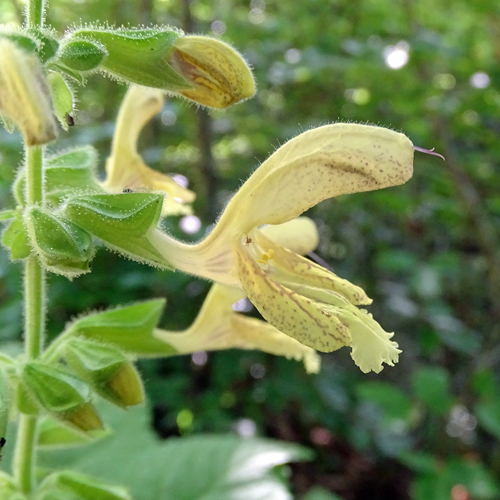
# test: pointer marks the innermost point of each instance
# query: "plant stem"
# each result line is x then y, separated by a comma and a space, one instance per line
34, 13
23, 458
34, 299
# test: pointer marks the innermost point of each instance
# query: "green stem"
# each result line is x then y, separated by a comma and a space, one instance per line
34, 13
24, 457
34, 299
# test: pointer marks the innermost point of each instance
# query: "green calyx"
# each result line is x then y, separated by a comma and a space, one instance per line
62, 98
129, 328
137, 56
80, 55
121, 221
62, 246
106, 369
61, 394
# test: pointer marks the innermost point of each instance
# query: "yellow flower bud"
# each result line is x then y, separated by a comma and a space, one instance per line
24, 95
219, 75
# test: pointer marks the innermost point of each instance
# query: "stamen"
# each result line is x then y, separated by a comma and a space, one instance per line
428, 152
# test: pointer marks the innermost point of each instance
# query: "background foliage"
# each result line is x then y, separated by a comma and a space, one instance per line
426, 252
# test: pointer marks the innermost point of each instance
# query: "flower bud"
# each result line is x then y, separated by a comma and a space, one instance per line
24, 94
106, 369
61, 394
202, 69
61, 245
219, 75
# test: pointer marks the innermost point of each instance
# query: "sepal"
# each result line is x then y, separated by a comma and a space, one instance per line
109, 372
137, 56
15, 237
62, 98
80, 55
62, 246
70, 172
129, 328
62, 395
121, 221
52, 434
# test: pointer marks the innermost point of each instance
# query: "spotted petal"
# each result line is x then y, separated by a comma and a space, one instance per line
301, 318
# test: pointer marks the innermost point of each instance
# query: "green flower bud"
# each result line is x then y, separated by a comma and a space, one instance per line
81, 55
107, 370
82, 487
62, 246
24, 94
62, 395
62, 98
53, 434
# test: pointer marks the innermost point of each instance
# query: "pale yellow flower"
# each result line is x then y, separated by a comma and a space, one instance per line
295, 295
24, 95
218, 327
125, 167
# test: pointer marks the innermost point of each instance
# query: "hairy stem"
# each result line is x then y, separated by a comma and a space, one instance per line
34, 13
34, 299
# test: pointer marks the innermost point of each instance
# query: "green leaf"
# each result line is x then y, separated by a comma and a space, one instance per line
394, 403
130, 328
193, 468
487, 413
432, 386
121, 221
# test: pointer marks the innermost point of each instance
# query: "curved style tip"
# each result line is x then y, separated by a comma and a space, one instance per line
429, 152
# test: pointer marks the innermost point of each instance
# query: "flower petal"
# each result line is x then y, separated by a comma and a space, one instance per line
254, 333
298, 235
302, 319
218, 326
319, 164
371, 345
290, 267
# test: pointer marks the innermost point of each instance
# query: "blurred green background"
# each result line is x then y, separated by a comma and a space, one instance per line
426, 252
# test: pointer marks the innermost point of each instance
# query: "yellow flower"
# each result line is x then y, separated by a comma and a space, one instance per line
125, 168
218, 326
219, 75
24, 94
295, 295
